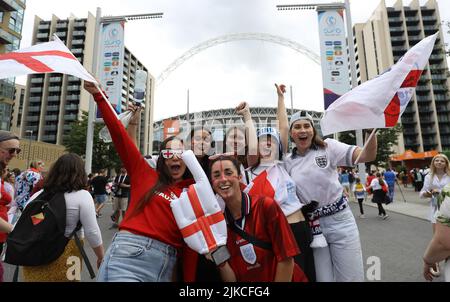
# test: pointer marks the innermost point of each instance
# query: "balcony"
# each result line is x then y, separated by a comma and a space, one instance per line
411, 142
440, 88
37, 80
50, 127
426, 120
441, 97
410, 132
51, 118
55, 80
61, 25
61, 34
425, 109
73, 97
73, 88
49, 138
70, 117
32, 118
444, 130
408, 120
78, 33
54, 98
54, 89
36, 89
52, 108
8, 5
44, 26
6, 37
34, 109
77, 51
35, 100
71, 107
79, 24
428, 131
431, 19
422, 88
77, 42
42, 36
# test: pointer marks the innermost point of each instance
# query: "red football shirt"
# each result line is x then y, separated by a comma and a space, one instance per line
263, 219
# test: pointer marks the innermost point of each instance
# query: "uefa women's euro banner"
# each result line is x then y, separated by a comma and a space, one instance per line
333, 53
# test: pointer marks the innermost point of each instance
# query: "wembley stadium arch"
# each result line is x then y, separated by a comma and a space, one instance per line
237, 37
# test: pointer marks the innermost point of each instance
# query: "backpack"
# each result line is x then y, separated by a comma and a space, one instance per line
38, 237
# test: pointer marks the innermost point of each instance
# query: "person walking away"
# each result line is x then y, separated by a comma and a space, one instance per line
121, 191
435, 181
313, 166
26, 181
99, 187
379, 191
67, 175
390, 177
360, 194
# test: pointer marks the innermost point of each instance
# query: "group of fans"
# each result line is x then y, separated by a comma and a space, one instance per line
288, 217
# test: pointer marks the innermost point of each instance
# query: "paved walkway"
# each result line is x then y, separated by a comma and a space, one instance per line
407, 203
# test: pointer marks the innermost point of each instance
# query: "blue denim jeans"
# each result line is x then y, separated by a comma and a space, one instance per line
134, 258
341, 260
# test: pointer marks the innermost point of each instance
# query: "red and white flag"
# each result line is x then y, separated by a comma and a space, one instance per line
380, 102
42, 58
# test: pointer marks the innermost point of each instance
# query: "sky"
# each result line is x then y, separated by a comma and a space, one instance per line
226, 74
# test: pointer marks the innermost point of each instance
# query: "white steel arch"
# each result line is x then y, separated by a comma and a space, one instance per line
237, 37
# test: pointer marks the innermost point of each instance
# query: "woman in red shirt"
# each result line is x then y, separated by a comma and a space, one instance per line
272, 257
146, 246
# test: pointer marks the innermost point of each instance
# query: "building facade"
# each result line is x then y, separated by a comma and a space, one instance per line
11, 21
54, 101
218, 122
17, 109
382, 41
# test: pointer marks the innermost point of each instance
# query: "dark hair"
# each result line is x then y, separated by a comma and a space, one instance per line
164, 178
67, 174
241, 158
380, 180
235, 162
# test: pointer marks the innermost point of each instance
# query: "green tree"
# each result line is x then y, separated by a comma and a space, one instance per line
104, 154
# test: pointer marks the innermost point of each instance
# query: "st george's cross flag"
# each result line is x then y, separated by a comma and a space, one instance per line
43, 58
380, 102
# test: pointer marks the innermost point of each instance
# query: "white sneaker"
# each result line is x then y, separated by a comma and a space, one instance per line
385, 217
380, 216
362, 216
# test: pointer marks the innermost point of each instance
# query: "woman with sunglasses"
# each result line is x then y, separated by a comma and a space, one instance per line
148, 241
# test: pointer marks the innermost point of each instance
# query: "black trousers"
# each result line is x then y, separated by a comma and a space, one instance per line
303, 236
361, 209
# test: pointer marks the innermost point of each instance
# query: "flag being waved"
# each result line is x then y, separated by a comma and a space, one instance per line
380, 102
42, 58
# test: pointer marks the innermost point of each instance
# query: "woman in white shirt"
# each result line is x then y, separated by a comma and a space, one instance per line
437, 179
379, 195
68, 175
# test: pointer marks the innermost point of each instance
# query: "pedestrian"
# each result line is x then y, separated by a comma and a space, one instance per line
438, 249
121, 190
26, 181
434, 183
98, 184
67, 175
313, 166
5, 200
379, 191
260, 242
360, 195
390, 177
345, 182
9, 148
148, 241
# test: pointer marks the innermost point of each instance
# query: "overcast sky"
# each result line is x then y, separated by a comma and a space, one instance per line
226, 74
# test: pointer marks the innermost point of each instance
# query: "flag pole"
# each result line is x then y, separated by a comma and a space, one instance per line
365, 146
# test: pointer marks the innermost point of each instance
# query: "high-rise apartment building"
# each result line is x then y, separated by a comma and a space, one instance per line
11, 20
382, 41
54, 101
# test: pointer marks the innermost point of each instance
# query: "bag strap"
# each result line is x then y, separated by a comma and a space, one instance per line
250, 238
83, 253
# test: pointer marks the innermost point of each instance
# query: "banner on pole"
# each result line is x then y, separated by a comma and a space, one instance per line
333, 53
112, 54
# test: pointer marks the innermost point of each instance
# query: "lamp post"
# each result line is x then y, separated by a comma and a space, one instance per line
29, 146
351, 45
95, 68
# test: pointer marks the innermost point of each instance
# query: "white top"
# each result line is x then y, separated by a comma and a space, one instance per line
283, 185
375, 184
80, 207
434, 184
315, 173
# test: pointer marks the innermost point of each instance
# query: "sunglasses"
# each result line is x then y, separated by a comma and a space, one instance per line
170, 153
12, 150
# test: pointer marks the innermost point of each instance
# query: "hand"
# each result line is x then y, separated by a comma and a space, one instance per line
135, 118
281, 90
427, 271
90, 87
99, 262
243, 109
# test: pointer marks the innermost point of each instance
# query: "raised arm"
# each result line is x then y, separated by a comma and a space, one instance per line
369, 154
282, 118
125, 147
134, 122
252, 156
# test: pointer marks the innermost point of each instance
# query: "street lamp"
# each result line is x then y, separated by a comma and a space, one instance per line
98, 22
29, 146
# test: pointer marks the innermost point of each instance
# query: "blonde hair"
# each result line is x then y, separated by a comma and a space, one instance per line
447, 165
